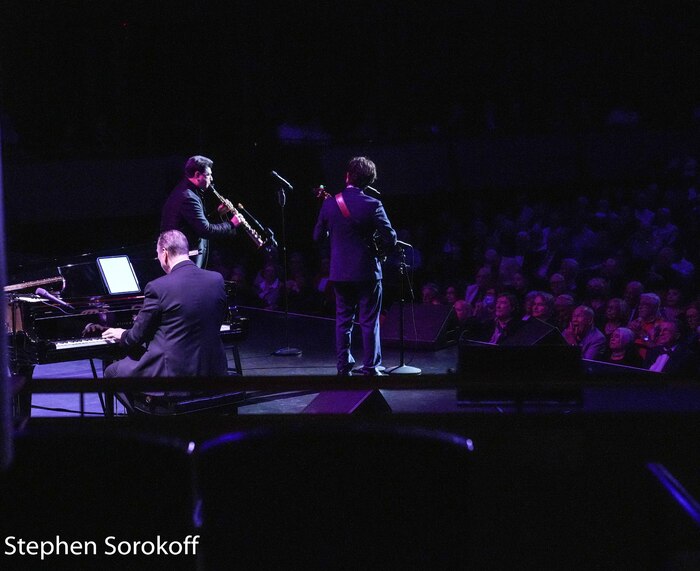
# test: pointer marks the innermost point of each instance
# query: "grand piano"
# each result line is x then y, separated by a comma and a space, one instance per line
46, 319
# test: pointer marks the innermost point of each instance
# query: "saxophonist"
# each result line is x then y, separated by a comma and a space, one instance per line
184, 209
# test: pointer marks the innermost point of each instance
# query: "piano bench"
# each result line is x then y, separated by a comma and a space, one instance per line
175, 405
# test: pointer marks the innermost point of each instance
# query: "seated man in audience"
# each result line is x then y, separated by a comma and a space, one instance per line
583, 333
671, 356
505, 322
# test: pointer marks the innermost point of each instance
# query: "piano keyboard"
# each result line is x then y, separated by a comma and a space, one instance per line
80, 343
99, 342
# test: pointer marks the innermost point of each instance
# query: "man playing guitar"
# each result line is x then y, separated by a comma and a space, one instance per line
351, 220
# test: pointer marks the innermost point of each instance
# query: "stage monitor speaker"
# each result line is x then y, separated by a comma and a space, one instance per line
535, 332
359, 402
426, 327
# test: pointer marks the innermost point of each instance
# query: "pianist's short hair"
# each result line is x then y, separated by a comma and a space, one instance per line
174, 242
197, 163
361, 172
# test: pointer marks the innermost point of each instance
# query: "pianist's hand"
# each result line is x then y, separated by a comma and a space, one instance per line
93, 330
113, 334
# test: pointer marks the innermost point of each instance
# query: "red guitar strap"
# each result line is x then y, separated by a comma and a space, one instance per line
341, 204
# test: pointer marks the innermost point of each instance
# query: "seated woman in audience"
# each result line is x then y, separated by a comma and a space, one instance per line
616, 315
543, 307
527, 304
672, 306
621, 348
648, 325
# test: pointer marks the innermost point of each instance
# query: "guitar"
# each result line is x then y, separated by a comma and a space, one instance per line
375, 244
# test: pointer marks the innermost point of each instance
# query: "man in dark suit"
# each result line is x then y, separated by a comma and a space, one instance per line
352, 219
505, 322
184, 209
671, 356
179, 323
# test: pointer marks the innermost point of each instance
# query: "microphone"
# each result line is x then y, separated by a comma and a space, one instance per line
372, 189
284, 182
41, 292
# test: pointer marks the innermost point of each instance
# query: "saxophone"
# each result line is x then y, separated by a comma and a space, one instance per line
227, 206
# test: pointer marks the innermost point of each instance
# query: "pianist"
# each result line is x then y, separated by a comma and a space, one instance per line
179, 323
184, 209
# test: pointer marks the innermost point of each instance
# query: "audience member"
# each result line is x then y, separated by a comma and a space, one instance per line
505, 322
664, 232
503, 267
691, 327
528, 303
672, 303
543, 307
596, 297
570, 270
430, 294
648, 325
564, 306
485, 309
323, 285
519, 286
243, 293
557, 285
477, 291
671, 356
268, 287
633, 291
611, 271
451, 295
583, 333
463, 312
616, 315
622, 350
302, 297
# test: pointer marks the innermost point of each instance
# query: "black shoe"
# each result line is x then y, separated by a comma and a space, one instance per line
345, 373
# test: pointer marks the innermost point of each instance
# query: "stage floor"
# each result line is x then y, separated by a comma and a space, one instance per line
270, 331
601, 391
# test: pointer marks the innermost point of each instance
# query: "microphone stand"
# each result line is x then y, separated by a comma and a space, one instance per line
286, 351
402, 368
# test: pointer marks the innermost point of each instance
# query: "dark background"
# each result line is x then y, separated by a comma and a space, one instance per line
89, 81
157, 76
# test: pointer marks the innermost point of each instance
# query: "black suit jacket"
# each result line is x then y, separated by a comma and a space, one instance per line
681, 361
180, 323
184, 211
511, 327
352, 257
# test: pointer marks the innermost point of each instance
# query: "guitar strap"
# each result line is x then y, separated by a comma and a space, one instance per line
374, 246
341, 204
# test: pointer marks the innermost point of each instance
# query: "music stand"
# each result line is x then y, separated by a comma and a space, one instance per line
402, 368
285, 351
